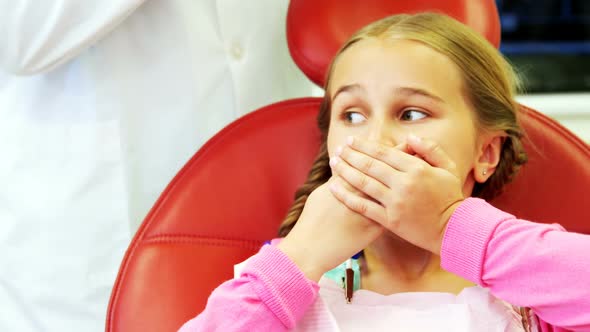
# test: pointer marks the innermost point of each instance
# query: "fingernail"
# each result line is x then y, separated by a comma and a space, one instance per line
349, 140
333, 161
338, 150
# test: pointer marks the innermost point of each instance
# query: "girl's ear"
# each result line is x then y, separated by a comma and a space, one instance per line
488, 157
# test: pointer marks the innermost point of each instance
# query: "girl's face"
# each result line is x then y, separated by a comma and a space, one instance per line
384, 90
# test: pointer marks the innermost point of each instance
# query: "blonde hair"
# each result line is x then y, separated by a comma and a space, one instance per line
489, 81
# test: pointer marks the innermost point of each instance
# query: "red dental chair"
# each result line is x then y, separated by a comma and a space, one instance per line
232, 195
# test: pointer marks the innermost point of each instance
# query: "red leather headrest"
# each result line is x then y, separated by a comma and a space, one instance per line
317, 29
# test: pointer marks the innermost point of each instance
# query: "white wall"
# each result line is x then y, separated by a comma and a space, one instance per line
572, 110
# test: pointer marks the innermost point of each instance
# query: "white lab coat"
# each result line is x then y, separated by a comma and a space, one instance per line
101, 103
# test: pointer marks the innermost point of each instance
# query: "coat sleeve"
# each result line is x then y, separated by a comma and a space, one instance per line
37, 36
541, 266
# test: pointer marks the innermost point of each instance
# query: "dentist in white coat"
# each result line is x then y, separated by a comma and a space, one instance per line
101, 103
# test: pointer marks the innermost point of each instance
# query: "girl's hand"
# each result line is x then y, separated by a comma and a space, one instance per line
412, 196
327, 232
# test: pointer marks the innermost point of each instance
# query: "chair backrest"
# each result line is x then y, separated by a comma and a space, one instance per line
232, 195
315, 32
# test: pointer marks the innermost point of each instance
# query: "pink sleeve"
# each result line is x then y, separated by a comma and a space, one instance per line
271, 294
528, 264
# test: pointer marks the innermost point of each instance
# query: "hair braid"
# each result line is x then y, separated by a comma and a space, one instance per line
319, 174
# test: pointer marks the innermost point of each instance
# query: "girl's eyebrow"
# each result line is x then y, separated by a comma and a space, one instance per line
348, 88
404, 90
409, 91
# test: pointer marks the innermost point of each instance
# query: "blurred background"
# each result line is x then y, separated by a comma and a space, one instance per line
548, 41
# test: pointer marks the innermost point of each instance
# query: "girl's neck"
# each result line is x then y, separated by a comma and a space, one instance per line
391, 255
392, 265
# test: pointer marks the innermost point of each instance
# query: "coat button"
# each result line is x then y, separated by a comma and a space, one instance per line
236, 51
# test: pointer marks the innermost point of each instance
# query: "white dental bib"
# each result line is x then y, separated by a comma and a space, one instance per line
474, 309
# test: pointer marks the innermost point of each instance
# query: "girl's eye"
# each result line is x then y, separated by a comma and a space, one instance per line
413, 115
354, 117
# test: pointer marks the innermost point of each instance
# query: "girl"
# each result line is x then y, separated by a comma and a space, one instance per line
419, 113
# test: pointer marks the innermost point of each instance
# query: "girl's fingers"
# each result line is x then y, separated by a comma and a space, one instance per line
395, 157
361, 205
367, 184
368, 165
432, 153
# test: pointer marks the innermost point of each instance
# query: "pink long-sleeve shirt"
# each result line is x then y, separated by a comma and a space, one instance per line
528, 264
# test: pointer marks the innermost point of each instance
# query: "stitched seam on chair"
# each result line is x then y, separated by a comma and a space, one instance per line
201, 240
175, 239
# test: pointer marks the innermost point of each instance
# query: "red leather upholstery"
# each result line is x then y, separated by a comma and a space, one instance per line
226, 201
553, 185
231, 196
316, 32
